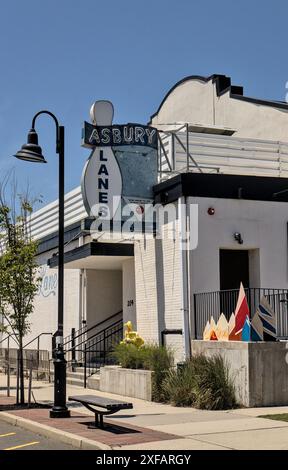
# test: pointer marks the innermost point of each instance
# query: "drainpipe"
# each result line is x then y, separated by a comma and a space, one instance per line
82, 312
184, 279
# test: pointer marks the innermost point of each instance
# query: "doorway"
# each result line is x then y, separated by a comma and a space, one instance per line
234, 269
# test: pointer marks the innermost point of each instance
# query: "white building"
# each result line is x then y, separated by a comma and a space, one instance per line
218, 149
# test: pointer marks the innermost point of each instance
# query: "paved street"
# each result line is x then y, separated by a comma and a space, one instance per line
16, 438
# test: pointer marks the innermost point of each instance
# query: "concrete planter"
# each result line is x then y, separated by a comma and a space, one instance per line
133, 383
260, 370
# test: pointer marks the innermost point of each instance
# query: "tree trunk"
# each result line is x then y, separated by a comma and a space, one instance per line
21, 371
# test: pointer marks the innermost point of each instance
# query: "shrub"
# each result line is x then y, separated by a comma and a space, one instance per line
203, 382
128, 356
178, 387
214, 387
160, 359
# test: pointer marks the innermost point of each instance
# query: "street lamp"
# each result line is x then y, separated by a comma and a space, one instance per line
32, 152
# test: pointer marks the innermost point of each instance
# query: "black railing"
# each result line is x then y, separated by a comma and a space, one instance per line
97, 350
74, 343
36, 359
209, 304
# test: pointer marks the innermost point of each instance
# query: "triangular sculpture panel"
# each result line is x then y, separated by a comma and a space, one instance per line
222, 331
213, 336
231, 329
262, 327
241, 311
268, 318
206, 332
246, 330
256, 328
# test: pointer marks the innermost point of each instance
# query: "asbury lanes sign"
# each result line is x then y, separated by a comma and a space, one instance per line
128, 134
119, 176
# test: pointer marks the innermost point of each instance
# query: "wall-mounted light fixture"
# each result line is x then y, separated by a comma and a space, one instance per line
238, 238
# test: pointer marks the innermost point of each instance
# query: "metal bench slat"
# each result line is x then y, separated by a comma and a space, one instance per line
102, 402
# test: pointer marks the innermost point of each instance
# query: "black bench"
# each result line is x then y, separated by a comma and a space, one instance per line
108, 406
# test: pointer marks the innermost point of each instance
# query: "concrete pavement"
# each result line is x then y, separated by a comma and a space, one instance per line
161, 426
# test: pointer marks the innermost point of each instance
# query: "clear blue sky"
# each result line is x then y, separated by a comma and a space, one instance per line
64, 54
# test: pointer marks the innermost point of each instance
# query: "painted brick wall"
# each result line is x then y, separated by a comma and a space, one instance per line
129, 297
158, 295
44, 316
146, 292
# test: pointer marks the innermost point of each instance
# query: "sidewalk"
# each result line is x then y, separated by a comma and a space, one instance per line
154, 426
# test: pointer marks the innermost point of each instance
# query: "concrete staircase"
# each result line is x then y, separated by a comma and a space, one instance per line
76, 378
73, 377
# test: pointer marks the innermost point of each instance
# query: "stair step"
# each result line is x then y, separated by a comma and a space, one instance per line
93, 382
79, 369
75, 375
76, 382
72, 379
77, 379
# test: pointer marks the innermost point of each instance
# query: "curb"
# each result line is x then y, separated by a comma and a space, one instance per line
47, 431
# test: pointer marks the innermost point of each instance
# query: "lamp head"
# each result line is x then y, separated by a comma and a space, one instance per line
31, 152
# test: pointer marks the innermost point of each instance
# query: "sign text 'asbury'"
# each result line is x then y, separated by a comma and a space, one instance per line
128, 134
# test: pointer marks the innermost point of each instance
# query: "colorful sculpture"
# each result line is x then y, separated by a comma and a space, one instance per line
267, 316
262, 327
212, 334
256, 328
246, 331
131, 337
222, 328
206, 332
241, 311
231, 329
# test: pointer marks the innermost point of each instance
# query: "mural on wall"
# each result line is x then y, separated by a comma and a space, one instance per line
49, 283
240, 327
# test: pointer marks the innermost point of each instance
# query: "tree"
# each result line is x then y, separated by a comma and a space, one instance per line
19, 280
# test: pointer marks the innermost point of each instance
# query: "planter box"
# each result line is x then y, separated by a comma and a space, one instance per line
133, 383
260, 369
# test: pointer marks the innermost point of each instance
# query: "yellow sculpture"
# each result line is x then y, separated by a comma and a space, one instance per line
132, 337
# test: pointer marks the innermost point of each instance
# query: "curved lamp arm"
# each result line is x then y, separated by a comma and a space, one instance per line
44, 111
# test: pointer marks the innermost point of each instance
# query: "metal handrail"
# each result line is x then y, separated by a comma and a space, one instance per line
85, 342
8, 337
92, 348
104, 330
36, 337
101, 337
78, 335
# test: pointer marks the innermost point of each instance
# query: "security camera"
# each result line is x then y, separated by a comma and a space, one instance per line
238, 238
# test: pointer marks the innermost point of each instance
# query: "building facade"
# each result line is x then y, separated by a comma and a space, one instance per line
225, 155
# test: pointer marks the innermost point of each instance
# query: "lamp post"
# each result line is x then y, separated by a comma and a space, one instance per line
32, 152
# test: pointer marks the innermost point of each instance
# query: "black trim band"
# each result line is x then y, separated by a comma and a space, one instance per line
252, 188
94, 249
